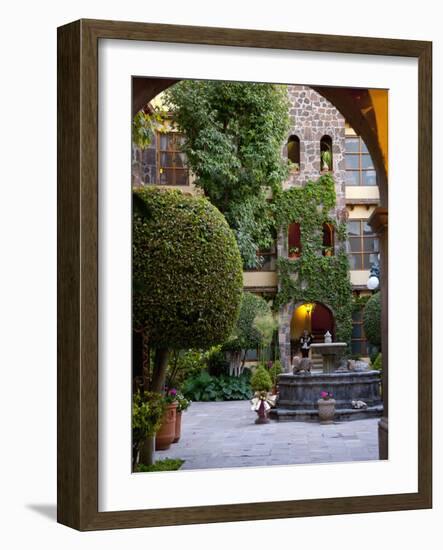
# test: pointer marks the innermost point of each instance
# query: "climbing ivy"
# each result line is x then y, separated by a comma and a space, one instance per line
312, 276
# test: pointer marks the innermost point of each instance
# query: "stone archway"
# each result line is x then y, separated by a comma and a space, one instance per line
294, 318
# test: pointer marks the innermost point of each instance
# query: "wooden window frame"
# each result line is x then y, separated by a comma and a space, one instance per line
173, 169
360, 154
362, 340
361, 253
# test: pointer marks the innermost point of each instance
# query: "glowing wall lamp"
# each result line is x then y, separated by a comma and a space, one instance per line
374, 277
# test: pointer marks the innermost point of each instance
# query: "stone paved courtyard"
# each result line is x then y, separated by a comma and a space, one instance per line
223, 435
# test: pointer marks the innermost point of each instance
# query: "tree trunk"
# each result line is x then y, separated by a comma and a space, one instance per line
147, 451
160, 366
146, 361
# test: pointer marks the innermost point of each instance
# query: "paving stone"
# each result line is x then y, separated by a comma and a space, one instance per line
224, 435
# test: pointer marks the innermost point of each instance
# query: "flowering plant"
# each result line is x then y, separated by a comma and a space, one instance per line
326, 395
182, 402
170, 395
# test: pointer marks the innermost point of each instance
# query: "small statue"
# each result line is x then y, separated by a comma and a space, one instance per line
301, 364
328, 337
359, 404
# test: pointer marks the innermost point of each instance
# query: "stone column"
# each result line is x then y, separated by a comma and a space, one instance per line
284, 337
379, 223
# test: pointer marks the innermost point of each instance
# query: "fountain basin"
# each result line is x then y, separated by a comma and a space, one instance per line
298, 395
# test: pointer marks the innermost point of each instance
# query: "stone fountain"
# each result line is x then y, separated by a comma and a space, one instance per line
298, 393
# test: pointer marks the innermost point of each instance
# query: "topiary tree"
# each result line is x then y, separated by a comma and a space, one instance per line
372, 320
187, 275
234, 133
246, 335
261, 379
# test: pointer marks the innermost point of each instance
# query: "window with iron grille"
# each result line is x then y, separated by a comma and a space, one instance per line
362, 245
360, 169
171, 161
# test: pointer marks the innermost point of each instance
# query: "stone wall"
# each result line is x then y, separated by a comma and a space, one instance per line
312, 117
144, 165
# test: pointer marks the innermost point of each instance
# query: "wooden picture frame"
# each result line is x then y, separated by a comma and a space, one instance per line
78, 274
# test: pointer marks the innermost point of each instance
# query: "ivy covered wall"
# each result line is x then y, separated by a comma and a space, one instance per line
313, 277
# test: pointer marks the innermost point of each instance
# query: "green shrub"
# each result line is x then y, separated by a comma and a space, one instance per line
372, 319
205, 387
254, 317
216, 361
274, 371
148, 409
261, 380
165, 465
184, 364
377, 364
187, 271
147, 412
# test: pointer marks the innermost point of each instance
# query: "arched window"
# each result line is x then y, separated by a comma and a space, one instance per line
326, 163
328, 239
294, 151
294, 240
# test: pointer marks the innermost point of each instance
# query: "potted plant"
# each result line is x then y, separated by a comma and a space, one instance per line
148, 409
328, 250
261, 384
294, 167
182, 405
166, 434
294, 252
326, 161
326, 407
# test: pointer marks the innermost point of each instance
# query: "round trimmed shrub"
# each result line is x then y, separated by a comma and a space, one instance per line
187, 271
261, 380
372, 320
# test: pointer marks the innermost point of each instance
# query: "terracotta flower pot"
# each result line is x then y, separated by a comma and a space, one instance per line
166, 434
326, 410
178, 426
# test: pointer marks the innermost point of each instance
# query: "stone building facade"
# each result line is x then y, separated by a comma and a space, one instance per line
312, 119
144, 164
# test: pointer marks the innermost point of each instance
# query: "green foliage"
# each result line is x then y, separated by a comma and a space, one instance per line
359, 302
165, 465
144, 126
274, 371
246, 335
184, 364
216, 361
147, 413
205, 387
234, 132
266, 325
377, 364
372, 320
187, 272
326, 158
261, 380
182, 403
313, 277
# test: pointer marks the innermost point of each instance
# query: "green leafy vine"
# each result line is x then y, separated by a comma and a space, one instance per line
312, 276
